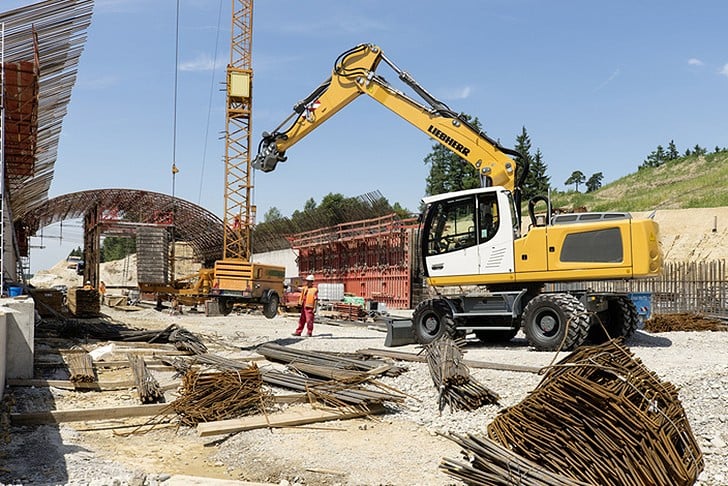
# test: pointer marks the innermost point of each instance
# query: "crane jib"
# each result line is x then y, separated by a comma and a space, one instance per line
448, 140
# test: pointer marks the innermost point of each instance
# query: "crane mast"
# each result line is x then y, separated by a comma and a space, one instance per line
239, 214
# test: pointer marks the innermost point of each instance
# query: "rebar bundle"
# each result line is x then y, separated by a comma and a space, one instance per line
80, 367
452, 377
490, 463
349, 361
146, 384
600, 417
207, 397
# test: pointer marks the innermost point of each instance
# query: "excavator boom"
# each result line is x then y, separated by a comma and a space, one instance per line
354, 74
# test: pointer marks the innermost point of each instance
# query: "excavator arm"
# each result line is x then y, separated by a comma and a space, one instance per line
355, 74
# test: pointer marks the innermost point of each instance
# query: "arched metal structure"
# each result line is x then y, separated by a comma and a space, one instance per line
116, 207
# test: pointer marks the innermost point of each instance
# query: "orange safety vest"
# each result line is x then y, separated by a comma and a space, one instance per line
309, 295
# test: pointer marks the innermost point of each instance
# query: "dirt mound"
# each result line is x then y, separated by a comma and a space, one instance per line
684, 322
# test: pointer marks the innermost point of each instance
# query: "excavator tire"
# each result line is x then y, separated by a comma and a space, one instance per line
554, 322
619, 320
225, 305
431, 319
270, 308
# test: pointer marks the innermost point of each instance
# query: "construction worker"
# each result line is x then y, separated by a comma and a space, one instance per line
308, 301
102, 291
88, 285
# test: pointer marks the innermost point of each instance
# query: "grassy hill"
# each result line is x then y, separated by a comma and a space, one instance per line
687, 182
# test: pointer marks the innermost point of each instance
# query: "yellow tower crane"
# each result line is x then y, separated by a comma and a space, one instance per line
237, 280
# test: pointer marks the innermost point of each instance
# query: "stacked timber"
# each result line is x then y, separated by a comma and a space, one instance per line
83, 303
152, 255
48, 302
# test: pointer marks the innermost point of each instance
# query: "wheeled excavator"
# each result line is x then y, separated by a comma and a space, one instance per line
472, 239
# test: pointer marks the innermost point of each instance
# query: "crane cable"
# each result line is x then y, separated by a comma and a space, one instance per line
209, 103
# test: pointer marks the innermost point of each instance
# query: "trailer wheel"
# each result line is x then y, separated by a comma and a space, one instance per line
619, 320
552, 319
431, 318
270, 308
225, 305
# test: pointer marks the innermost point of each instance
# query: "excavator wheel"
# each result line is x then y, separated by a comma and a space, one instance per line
225, 305
431, 319
619, 320
270, 308
554, 322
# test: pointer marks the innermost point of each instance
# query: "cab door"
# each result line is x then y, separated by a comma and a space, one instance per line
450, 237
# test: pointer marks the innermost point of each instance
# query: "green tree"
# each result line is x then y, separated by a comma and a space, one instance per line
656, 158
78, 252
698, 150
448, 172
577, 177
116, 248
594, 182
272, 214
310, 205
672, 152
537, 183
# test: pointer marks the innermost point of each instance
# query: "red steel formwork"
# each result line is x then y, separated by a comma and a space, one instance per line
373, 258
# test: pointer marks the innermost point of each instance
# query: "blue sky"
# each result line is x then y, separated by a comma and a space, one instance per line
598, 85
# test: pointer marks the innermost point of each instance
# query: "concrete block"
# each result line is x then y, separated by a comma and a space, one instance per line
20, 334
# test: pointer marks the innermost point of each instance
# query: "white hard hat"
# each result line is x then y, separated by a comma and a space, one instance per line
310, 278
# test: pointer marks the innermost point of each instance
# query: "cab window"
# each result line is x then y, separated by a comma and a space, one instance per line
488, 216
451, 226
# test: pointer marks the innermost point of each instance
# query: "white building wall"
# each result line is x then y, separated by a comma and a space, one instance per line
284, 258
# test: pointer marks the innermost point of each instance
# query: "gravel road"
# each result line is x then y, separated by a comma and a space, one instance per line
400, 448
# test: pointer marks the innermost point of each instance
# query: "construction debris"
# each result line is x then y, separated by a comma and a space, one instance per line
452, 377
685, 322
598, 416
147, 386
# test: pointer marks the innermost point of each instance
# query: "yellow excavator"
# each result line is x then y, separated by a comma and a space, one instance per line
472, 239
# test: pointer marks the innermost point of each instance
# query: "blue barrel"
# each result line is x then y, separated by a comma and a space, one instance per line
14, 291
643, 302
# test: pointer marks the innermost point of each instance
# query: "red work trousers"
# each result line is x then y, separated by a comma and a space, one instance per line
305, 319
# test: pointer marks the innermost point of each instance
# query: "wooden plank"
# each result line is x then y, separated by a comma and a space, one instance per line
69, 385
293, 417
404, 356
87, 415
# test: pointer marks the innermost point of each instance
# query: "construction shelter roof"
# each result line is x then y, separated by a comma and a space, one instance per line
121, 209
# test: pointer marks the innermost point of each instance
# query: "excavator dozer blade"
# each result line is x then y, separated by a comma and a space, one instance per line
399, 332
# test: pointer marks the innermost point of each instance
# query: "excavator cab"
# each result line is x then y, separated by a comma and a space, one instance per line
468, 234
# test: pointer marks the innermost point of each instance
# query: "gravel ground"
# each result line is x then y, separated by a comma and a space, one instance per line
399, 448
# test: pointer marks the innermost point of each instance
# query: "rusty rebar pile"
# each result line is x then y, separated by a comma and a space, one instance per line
599, 416
684, 322
452, 377
80, 367
207, 397
487, 462
146, 384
